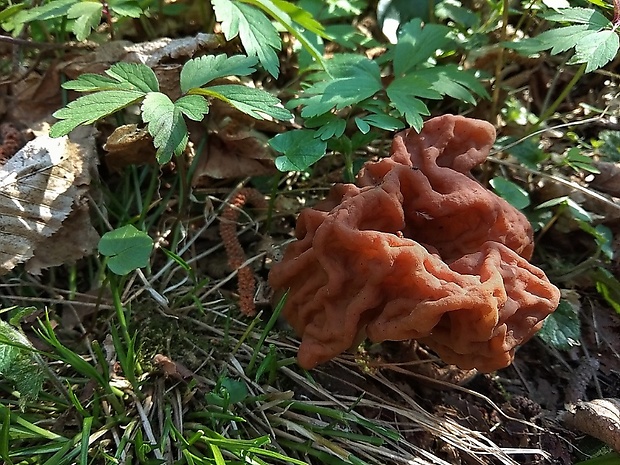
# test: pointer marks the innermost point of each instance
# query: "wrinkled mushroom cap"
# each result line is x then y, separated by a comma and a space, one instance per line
417, 250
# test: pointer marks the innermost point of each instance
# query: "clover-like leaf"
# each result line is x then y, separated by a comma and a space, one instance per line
202, 70
129, 8
90, 108
127, 249
258, 36
301, 149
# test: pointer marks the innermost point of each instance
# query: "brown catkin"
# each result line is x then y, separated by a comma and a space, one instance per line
234, 251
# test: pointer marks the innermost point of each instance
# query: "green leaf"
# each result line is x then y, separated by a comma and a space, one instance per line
195, 107
299, 15
285, 13
18, 363
301, 149
254, 102
382, 121
93, 82
329, 126
416, 44
199, 71
596, 49
258, 36
140, 76
514, 194
237, 390
53, 9
578, 15
166, 124
562, 329
412, 108
452, 81
354, 78
129, 8
608, 287
87, 17
90, 108
127, 249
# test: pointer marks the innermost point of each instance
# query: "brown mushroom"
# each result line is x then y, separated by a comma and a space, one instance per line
418, 250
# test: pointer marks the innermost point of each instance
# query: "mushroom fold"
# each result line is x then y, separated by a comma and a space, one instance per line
418, 249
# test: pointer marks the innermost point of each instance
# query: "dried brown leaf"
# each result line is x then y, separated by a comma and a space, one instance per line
40, 187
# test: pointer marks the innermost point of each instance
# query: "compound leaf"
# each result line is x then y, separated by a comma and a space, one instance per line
596, 49
259, 37
199, 71
90, 108
300, 148
254, 102
127, 249
416, 44
166, 124
350, 80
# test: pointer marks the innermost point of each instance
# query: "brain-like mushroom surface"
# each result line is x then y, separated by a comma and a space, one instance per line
418, 249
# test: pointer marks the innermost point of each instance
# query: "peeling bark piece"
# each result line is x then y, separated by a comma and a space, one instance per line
40, 186
599, 418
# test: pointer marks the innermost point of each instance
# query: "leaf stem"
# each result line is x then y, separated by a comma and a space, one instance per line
551, 109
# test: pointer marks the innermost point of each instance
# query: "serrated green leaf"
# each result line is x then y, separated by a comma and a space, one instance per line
383, 121
299, 15
53, 9
415, 86
563, 38
128, 8
354, 78
140, 76
416, 44
18, 363
199, 71
285, 13
514, 194
333, 129
258, 36
452, 81
578, 15
90, 108
301, 149
195, 107
166, 124
254, 102
596, 49
562, 329
87, 17
127, 249
410, 107
92, 82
